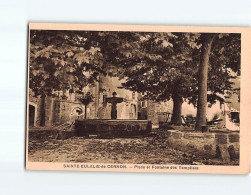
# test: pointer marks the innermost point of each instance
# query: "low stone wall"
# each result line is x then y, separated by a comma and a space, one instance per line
103, 128
208, 145
164, 125
45, 134
112, 128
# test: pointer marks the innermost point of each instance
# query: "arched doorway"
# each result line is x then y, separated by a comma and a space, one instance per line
31, 115
76, 113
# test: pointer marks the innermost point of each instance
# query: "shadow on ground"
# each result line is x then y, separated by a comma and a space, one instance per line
151, 149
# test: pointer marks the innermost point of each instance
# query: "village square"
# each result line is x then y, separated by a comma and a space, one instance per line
134, 97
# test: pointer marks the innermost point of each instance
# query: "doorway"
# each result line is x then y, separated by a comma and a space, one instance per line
31, 116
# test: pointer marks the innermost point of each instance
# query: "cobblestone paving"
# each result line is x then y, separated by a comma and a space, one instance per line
145, 150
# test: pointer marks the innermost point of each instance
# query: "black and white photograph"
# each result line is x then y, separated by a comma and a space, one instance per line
125, 97
134, 97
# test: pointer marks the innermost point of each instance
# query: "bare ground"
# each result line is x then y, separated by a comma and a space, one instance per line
142, 150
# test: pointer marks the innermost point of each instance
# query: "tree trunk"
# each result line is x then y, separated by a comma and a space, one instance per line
85, 111
42, 111
207, 40
177, 107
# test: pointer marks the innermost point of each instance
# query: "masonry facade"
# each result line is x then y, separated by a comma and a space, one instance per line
52, 111
65, 107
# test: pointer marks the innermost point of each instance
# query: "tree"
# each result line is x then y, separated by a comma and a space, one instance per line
165, 66
207, 40
225, 55
62, 60
86, 99
158, 64
67, 60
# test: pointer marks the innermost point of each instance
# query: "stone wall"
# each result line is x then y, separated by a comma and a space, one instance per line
37, 102
46, 134
56, 111
152, 113
208, 145
113, 128
65, 111
49, 104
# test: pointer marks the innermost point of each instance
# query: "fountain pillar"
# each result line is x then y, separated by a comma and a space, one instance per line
114, 101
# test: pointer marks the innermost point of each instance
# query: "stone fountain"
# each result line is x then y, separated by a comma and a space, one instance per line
113, 127
114, 101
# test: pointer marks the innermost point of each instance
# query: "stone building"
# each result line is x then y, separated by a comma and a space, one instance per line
52, 111
65, 107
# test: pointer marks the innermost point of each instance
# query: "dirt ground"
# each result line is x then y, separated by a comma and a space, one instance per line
152, 149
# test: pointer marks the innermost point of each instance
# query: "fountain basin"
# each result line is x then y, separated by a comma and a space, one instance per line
112, 128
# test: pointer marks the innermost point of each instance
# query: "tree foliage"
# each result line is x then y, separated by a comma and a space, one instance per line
166, 64
161, 73
162, 65
61, 60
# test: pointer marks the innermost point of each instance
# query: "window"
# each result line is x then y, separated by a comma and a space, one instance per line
133, 95
143, 104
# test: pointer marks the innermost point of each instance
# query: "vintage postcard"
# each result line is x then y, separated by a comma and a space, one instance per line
135, 98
